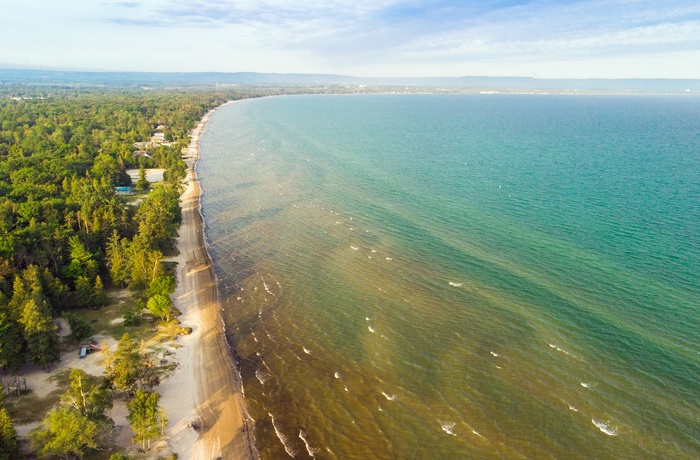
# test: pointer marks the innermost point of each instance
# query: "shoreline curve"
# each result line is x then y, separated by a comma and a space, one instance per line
207, 386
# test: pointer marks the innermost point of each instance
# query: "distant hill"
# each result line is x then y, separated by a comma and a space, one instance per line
53, 77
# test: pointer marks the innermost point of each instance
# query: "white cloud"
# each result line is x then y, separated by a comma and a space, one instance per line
369, 37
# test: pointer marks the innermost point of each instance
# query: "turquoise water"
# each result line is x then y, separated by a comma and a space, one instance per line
461, 276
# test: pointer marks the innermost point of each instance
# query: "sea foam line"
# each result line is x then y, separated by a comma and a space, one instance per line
262, 376
605, 427
551, 345
311, 450
284, 439
448, 427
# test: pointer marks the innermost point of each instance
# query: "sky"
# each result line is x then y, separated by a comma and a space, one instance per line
366, 38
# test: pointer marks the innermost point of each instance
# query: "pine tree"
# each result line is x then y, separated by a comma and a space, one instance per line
99, 296
117, 260
40, 333
11, 345
142, 183
122, 370
84, 292
144, 263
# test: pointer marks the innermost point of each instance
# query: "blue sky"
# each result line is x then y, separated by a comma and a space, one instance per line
539, 38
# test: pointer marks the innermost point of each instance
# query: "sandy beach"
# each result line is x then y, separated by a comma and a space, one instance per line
205, 387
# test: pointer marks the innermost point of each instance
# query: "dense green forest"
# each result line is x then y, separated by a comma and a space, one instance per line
67, 237
65, 234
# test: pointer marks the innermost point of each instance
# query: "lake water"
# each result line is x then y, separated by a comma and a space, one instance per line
461, 276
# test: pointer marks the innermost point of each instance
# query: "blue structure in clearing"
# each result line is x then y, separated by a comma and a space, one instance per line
123, 190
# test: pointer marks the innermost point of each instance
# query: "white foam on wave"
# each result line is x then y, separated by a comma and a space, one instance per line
389, 258
452, 283
366, 318
307, 351
262, 376
374, 250
283, 439
267, 288
311, 450
605, 427
572, 408
371, 329
494, 354
585, 385
388, 396
354, 248
448, 427
337, 375
561, 350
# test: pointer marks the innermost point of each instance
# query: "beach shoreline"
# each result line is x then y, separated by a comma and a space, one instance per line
206, 388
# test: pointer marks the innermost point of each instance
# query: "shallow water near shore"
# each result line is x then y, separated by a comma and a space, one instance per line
461, 276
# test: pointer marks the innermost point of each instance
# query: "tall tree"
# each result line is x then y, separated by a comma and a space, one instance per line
64, 432
144, 262
158, 216
82, 262
86, 397
146, 417
117, 259
160, 305
11, 344
142, 183
98, 290
9, 442
123, 365
40, 333
164, 284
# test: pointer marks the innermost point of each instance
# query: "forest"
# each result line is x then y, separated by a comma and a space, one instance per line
67, 238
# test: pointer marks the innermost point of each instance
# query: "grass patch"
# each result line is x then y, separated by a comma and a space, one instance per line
29, 408
105, 321
62, 378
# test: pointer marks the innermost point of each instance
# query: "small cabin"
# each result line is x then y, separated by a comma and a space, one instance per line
123, 190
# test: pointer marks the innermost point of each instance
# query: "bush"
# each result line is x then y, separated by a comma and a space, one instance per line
132, 317
79, 329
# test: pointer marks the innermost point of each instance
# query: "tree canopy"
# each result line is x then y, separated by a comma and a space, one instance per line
64, 232
146, 417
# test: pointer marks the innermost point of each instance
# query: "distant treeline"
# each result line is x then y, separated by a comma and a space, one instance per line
64, 233
311, 81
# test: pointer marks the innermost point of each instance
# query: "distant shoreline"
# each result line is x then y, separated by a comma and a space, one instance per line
346, 83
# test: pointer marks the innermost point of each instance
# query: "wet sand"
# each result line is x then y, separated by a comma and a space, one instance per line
206, 386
